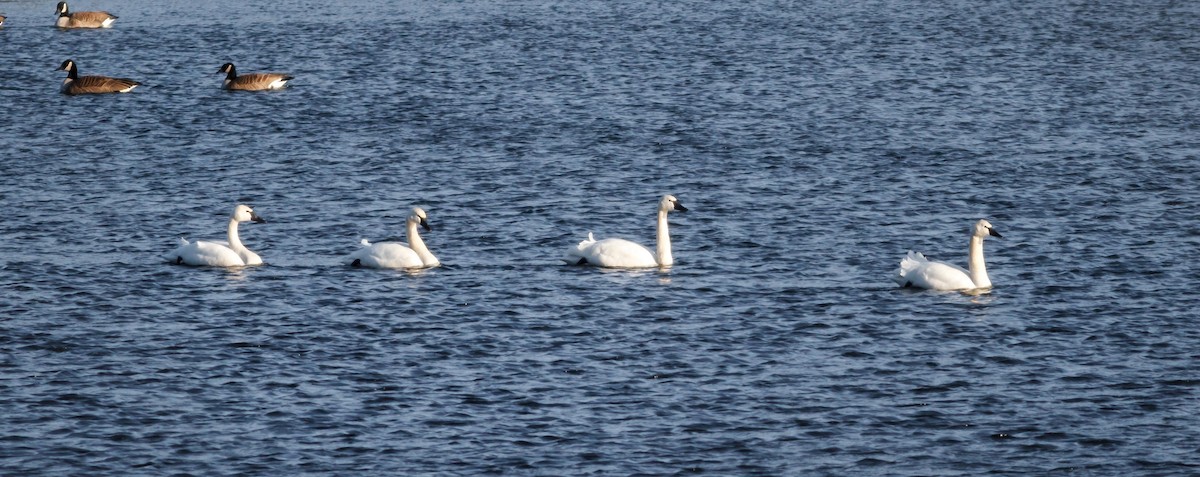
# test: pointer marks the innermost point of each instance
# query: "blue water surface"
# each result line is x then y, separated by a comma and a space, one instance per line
813, 142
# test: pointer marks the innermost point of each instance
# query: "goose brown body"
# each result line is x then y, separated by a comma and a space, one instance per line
68, 19
75, 84
252, 81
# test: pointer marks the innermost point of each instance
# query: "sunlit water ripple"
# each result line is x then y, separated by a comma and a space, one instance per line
813, 142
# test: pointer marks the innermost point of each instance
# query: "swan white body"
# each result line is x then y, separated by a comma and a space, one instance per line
621, 253
917, 271
230, 253
397, 255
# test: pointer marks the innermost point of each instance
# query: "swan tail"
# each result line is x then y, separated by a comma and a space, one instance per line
584, 244
908, 265
575, 255
173, 256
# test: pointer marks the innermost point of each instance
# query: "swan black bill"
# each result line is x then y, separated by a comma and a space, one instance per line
258, 220
426, 226
680, 207
994, 233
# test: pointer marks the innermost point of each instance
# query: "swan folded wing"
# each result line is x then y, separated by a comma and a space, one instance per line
204, 253
619, 253
388, 255
918, 271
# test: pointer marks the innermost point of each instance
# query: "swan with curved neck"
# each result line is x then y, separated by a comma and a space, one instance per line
920, 272
621, 253
398, 255
230, 253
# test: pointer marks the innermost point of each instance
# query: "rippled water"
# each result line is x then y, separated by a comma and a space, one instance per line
813, 142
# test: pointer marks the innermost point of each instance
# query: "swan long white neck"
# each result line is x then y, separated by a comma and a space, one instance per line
975, 264
418, 245
235, 243
664, 241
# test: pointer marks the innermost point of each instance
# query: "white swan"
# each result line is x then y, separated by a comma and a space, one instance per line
621, 253
220, 254
398, 255
917, 271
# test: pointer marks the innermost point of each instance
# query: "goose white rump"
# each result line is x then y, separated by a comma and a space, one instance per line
621, 253
917, 271
398, 255
230, 253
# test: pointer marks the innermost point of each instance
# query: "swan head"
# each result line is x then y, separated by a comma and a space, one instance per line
243, 213
983, 228
670, 203
418, 216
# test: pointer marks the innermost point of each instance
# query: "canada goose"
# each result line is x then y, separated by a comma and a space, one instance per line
82, 19
74, 84
252, 81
